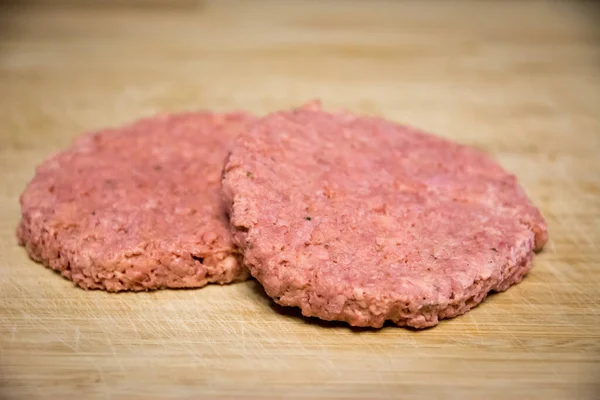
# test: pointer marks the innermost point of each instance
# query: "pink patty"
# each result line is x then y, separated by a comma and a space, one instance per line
361, 220
136, 207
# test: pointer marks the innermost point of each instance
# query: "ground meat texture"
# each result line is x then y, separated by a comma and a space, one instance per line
358, 219
137, 207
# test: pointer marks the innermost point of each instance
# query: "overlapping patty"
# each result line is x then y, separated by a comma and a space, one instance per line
362, 220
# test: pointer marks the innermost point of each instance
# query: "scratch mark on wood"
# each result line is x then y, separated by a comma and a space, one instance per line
112, 349
475, 323
77, 338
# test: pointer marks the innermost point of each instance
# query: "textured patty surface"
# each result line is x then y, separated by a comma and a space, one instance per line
361, 220
136, 207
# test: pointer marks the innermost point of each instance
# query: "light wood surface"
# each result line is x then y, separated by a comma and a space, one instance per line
519, 79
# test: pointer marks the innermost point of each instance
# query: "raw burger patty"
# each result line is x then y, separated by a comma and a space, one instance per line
136, 207
358, 219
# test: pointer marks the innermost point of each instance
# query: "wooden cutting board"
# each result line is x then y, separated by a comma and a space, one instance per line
518, 79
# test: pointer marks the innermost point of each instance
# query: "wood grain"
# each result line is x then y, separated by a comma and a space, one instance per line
518, 79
